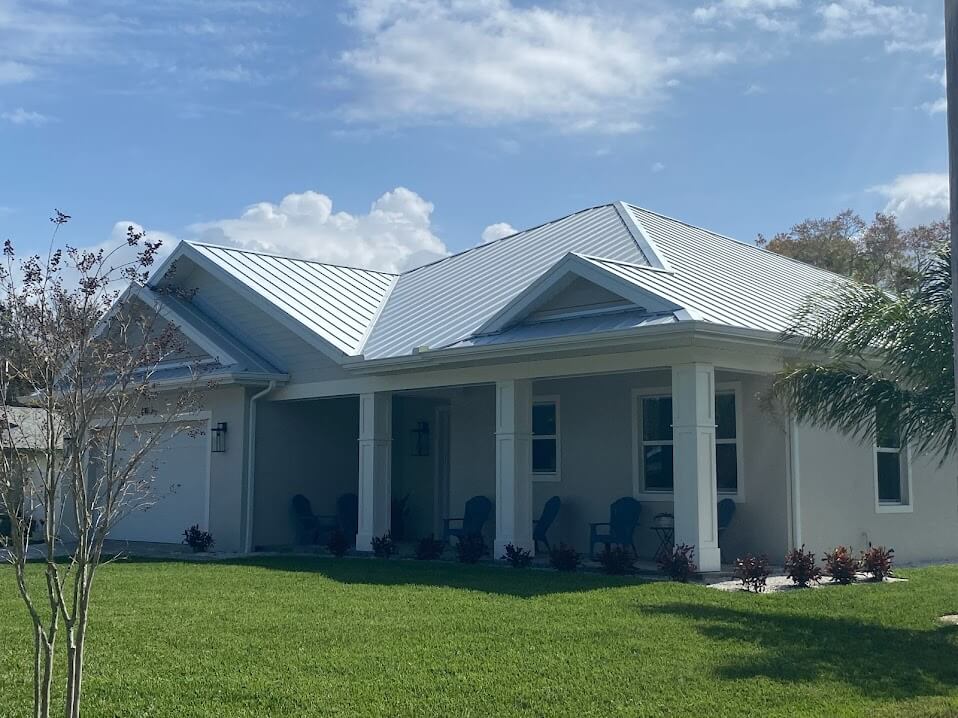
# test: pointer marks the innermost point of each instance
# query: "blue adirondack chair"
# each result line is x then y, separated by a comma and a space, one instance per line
540, 528
473, 519
623, 520
725, 511
306, 525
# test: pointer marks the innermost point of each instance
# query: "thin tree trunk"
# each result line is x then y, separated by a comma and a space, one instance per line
45, 683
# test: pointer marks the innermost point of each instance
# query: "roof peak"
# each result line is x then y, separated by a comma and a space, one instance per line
276, 255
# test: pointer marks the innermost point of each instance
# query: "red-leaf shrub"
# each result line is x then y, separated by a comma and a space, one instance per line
679, 564
752, 571
877, 561
517, 556
565, 558
429, 548
616, 560
840, 565
801, 568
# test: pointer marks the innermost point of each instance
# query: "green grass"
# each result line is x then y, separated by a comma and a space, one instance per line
304, 637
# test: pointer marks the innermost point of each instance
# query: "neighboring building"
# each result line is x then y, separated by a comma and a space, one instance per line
613, 352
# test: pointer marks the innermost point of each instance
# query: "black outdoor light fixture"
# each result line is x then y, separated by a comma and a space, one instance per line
219, 438
420, 444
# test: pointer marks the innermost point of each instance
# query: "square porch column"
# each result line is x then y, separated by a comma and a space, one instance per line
693, 438
513, 465
375, 467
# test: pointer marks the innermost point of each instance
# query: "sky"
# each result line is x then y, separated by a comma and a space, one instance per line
386, 133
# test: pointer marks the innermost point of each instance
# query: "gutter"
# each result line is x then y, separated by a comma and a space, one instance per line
251, 464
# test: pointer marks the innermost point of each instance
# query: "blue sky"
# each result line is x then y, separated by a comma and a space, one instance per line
386, 132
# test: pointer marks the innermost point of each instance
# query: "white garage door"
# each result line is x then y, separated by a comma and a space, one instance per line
180, 465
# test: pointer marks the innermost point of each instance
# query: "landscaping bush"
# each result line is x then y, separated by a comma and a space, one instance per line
471, 548
679, 564
517, 557
801, 568
877, 561
840, 565
429, 548
384, 546
616, 560
565, 558
752, 571
338, 543
198, 540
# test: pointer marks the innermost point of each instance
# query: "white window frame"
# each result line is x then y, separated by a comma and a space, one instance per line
638, 466
551, 476
907, 504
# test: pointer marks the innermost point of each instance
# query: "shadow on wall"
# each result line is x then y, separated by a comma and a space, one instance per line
880, 661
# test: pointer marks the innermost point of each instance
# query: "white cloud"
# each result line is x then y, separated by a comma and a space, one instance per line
754, 89
491, 61
657, 167
20, 116
767, 15
916, 198
937, 107
12, 72
497, 231
846, 19
395, 234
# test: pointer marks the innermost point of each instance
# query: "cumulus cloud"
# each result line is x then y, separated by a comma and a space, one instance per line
12, 72
845, 19
657, 167
578, 68
767, 15
916, 198
497, 231
20, 116
395, 234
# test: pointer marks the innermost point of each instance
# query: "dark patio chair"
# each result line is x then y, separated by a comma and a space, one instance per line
473, 519
347, 515
306, 525
725, 512
623, 520
540, 528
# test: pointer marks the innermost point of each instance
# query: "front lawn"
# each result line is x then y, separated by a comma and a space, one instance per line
306, 637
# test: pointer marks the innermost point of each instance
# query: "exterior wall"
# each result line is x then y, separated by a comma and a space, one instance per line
228, 469
472, 452
837, 500
414, 475
308, 448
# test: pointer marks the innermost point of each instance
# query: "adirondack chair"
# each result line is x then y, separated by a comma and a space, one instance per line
623, 520
306, 524
541, 527
473, 519
725, 512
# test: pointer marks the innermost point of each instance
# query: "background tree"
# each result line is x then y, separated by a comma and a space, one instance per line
879, 352
879, 253
86, 354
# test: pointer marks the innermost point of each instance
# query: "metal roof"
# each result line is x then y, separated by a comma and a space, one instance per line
446, 301
336, 303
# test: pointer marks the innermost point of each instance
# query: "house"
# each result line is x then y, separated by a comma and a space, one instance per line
612, 352
23, 441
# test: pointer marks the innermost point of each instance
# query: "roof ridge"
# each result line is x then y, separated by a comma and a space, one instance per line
276, 255
623, 263
749, 245
483, 245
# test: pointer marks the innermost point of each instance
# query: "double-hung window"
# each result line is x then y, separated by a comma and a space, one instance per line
892, 477
545, 439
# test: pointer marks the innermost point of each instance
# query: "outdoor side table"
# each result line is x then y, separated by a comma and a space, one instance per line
664, 527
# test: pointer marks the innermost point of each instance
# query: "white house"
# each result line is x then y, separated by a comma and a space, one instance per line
613, 352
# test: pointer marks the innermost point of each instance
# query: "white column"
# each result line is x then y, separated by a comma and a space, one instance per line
693, 435
513, 465
375, 467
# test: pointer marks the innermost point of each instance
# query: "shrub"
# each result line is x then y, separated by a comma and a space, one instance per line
801, 568
384, 546
565, 558
840, 565
877, 561
429, 548
752, 571
198, 540
338, 543
471, 548
616, 560
679, 563
517, 556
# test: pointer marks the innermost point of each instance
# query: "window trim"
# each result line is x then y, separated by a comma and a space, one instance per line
548, 476
904, 457
638, 478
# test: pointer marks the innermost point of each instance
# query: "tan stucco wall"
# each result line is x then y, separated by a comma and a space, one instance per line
308, 448
837, 499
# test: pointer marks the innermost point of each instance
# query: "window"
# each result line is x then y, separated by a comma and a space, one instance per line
545, 438
892, 480
655, 453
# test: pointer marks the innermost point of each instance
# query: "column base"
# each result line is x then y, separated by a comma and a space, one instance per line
499, 547
708, 559
364, 543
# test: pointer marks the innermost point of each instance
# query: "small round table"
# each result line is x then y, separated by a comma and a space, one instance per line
664, 527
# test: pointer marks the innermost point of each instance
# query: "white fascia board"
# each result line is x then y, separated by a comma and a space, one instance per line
641, 237
303, 332
575, 265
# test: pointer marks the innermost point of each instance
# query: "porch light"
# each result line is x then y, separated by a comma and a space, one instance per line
420, 443
219, 438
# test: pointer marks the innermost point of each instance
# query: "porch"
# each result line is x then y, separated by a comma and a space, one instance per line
678, 439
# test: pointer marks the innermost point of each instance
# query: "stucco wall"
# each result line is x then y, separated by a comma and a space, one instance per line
228, 469
412, 474
308, 448
837, 496
472, 454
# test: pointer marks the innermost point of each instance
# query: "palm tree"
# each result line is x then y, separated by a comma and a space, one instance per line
877, 352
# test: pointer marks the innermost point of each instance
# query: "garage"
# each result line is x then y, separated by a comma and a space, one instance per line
180, 489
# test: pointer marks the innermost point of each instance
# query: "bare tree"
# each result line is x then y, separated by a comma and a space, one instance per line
86, 347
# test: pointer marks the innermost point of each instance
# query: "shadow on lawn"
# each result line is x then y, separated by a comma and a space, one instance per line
879, 660
522, 583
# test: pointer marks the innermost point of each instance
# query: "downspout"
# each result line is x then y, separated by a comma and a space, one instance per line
794, 475
251, 464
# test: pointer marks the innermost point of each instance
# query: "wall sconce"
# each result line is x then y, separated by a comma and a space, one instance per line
420, 444
219, 438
